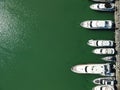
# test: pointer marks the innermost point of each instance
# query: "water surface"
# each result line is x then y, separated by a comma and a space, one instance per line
40, 40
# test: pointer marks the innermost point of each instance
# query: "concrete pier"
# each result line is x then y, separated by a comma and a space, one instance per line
117, 41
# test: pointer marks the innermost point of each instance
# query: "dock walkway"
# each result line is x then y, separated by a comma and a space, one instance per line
117, 41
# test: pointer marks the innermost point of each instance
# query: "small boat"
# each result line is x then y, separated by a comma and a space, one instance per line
104, 51
97, 24
103, 0
100, 43
103, 6
109, 58
102, 69
105, 81
104, 87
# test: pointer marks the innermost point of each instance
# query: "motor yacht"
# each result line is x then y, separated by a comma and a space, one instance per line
102, 69
104, 51
100, 43
97, 24
109, 58
105, 81
103, 6
104, 87
103, 0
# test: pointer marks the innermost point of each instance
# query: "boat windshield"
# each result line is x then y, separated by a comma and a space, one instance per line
101, 50
104, 81
101, 81
86, 68
90, 23
110, 43
106, 23
100, 88
98, 6
97, 43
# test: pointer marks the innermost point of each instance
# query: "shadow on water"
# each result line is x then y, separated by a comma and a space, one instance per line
103, 30
102, 12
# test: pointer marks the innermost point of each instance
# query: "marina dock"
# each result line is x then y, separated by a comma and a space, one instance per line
117, 41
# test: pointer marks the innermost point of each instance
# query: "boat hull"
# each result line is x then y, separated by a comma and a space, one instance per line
103, 0
97, 24
100, 43
104, 51
103, 7
105, 81
102, 69
109, 58
104, 87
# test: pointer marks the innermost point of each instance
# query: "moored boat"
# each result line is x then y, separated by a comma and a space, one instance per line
105, 81
100, 43
97, 24
109, 58
103, 6
104, 51
102, 69
103, 0
104, 87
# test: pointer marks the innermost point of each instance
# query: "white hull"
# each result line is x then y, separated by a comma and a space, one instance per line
103, 7
105, 81
102, 69
100, 43
109, 58
103, 0
104, 87
97, 24
104, 51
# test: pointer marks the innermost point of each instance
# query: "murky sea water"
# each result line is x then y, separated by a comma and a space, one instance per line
40, 40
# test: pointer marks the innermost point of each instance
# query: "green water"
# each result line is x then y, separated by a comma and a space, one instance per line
40, 40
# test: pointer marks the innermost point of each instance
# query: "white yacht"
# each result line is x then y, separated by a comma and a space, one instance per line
100, 43
104, 87
97, 24
104, 51
105, 81
109, 58
103, 0
103, 6
102, 69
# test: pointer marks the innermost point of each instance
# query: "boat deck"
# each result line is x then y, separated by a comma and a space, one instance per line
117, 40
